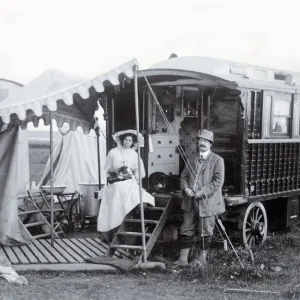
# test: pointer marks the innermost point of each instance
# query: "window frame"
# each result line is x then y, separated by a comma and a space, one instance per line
296, 116
267, 132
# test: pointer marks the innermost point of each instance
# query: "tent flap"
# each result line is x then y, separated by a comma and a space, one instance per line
10, 182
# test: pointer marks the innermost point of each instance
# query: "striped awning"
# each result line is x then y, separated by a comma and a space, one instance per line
71, 99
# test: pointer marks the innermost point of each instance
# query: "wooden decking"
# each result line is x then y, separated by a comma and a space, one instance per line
65, 251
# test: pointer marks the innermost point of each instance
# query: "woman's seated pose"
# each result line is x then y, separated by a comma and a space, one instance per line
121, 195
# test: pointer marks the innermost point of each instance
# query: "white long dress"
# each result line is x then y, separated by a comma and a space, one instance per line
119, 198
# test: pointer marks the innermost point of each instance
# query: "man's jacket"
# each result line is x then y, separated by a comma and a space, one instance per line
208, 187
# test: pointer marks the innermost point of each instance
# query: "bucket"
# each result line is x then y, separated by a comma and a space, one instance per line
89, 205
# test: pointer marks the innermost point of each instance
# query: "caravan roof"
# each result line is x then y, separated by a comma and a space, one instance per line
243, 74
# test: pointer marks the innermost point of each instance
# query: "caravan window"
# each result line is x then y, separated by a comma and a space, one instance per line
281, 116
276, 115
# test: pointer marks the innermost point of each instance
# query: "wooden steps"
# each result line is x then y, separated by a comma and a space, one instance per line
139, 221
155, 208
129, 247
34, 224
129, 234
40, 236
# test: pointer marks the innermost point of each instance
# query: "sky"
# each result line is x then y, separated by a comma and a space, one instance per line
87, 38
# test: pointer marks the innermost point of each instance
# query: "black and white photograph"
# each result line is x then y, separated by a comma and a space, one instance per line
149, 150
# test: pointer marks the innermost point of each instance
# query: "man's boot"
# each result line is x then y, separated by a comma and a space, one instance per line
201, 260
183, 259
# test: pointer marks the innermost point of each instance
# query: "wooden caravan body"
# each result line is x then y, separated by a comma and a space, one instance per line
254, 113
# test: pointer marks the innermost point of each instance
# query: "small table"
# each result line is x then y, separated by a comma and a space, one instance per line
68, 198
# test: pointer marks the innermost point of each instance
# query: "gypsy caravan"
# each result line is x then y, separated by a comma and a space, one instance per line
255, 115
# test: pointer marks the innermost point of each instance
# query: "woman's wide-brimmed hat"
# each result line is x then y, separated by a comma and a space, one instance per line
116, 136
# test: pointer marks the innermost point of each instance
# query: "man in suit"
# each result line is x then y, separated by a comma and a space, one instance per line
201, 183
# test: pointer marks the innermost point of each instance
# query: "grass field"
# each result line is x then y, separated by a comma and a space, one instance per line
275, 269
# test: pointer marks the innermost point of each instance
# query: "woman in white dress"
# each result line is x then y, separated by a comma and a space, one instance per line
120, 197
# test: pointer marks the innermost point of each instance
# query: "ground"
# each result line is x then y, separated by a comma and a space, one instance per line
83, 286
275, 269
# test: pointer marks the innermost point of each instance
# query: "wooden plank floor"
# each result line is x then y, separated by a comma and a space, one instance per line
65, 251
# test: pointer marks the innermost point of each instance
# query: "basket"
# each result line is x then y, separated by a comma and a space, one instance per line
161, 200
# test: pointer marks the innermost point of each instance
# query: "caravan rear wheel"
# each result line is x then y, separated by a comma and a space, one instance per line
255, 225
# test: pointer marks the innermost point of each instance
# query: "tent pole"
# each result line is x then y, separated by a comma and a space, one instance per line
136, 96
97, 129
98, 152
51, 180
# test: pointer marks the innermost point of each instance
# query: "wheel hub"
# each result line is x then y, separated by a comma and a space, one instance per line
258, 228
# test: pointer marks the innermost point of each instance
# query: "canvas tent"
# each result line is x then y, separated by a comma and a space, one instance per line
53, 96
75, 157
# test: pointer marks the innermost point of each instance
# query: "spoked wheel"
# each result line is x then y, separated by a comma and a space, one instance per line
255, 225
76, 218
